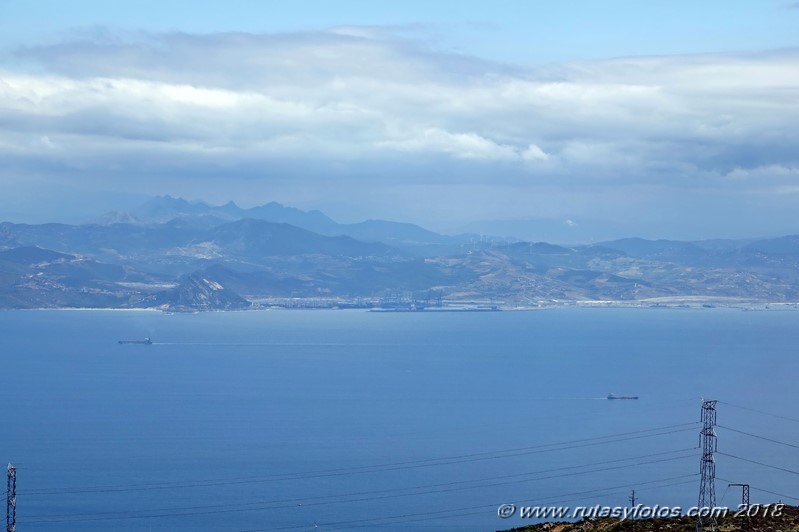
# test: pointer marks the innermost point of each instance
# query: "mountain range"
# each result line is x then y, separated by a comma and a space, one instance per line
166, 208
179, 255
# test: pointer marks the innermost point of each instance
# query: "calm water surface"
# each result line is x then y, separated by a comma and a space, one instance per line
337, 420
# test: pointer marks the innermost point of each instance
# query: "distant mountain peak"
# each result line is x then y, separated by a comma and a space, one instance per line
168, 199
117, 217
160, 209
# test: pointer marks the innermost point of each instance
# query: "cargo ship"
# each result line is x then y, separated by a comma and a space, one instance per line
146, 341
613, 396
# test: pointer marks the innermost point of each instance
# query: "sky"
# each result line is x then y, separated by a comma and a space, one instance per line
567, 120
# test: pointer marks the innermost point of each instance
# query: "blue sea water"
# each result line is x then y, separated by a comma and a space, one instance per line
343, 420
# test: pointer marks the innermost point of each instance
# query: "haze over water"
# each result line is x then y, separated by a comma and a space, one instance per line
322, 417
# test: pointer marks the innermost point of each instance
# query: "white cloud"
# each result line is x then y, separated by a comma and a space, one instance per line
464, 145
534, 153
363, 103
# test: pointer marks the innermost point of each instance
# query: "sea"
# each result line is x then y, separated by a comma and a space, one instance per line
354, 420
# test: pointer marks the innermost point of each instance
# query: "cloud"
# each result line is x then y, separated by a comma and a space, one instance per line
377, 107
463, 145
46, 142
767, 173
534, 153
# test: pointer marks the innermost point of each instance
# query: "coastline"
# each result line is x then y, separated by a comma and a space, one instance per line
673, 303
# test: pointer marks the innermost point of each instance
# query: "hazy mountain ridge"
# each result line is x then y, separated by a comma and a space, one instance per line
199, 260
410, 237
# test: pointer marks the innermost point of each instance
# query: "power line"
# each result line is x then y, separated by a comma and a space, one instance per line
486, 455
774, 493
368, 469
611, 491
758, 463
586, 494
721, 501
88, 517
759, 437
395, 466
461, 514
760, 411
766, 491
270, 505
370, 492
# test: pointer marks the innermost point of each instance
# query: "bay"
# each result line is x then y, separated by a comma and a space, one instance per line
344, 420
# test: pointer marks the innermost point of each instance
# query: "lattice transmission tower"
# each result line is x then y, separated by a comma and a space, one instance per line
707, 467
11, 500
